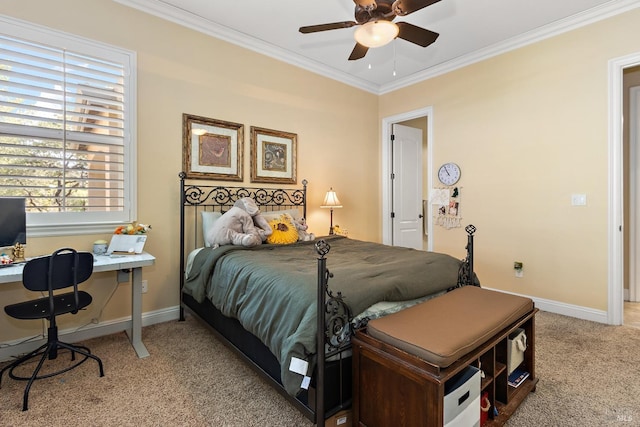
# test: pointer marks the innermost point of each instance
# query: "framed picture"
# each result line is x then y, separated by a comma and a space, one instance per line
273, 156
212, 149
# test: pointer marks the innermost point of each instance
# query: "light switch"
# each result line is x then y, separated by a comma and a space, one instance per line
578, 200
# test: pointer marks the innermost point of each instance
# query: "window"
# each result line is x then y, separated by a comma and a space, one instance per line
67, 116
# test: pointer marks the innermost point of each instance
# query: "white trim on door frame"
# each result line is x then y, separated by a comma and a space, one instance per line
616, 188
387, 123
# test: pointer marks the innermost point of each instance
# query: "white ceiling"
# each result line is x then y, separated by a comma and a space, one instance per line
470, 30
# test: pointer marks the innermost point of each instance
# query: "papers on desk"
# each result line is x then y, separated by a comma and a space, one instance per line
127, 243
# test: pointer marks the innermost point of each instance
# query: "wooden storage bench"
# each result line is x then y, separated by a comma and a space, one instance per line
402, 361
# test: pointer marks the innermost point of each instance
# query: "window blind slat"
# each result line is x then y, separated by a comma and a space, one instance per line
38, 49
95, 74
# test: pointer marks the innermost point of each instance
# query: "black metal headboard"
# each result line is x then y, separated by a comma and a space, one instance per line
198, 198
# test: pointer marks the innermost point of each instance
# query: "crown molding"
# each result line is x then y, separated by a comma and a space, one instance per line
187, 19
573, 22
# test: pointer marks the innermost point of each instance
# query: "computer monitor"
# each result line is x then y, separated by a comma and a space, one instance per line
13, 221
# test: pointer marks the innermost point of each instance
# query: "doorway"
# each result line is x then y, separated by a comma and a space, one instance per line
387, 167
619, 198
632, 176
631, 138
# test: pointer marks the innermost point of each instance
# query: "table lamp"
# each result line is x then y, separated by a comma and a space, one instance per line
331, 201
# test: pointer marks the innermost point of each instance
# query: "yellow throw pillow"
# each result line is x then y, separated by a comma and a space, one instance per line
284, 231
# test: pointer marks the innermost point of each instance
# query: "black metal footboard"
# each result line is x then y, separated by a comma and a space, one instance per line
334, 319
466, 274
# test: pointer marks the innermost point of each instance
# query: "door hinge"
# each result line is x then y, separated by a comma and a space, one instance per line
393, 214
393, 137
393, 176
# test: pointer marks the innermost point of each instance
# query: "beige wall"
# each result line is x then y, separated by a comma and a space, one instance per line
182, 71
529, 128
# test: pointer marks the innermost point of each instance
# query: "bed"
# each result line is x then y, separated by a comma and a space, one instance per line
268, 303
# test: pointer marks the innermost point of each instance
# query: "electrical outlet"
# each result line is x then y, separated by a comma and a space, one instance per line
145, 286
578, 200
517, 266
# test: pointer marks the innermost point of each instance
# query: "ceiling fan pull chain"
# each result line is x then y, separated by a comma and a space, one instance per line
394, 58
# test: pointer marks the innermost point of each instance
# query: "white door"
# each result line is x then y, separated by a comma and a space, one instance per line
406, 187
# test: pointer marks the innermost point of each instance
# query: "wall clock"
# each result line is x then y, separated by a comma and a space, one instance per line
449, 173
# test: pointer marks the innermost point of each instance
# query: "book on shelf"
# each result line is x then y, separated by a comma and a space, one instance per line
517, 377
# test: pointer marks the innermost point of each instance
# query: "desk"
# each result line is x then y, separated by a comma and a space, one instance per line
124, 265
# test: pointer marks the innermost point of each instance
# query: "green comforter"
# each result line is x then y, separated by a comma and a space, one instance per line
271, 289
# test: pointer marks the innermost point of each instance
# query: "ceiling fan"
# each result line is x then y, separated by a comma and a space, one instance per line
376, 27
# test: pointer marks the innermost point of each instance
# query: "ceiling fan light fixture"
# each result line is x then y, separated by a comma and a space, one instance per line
376, 33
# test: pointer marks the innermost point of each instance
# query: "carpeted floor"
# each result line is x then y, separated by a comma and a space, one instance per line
588, 377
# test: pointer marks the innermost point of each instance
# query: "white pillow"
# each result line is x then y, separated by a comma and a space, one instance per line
270, 215
208, 219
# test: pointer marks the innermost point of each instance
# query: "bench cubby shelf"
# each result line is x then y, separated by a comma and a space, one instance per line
393, 387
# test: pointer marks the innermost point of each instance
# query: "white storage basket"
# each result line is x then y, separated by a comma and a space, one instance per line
516, 345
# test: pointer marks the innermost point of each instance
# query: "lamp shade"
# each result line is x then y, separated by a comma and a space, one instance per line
376, 33
331, 200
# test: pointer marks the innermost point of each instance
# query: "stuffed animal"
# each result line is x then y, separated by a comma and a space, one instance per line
339, 231
242, 225
303, 234
284, 230
262, 225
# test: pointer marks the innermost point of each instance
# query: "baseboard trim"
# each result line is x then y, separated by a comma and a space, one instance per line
18, 347
570, 310
15, 348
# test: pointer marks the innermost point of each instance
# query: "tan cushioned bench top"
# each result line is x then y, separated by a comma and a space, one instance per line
444, 329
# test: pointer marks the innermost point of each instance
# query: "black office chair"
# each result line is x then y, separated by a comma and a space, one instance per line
62, 269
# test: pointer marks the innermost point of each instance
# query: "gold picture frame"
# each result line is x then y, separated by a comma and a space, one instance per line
273, 156
212, 149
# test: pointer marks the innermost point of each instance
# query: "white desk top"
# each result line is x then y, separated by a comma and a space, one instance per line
100, 263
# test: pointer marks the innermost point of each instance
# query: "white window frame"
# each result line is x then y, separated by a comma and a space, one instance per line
46, 224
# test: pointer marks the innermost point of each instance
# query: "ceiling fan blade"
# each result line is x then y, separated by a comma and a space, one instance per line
325, 27
359, 51
417, 35
405, 7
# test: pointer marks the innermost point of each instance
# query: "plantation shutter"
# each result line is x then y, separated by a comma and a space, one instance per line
63, 131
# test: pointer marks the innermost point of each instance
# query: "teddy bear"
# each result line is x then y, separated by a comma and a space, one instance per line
242, 225
303, 234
